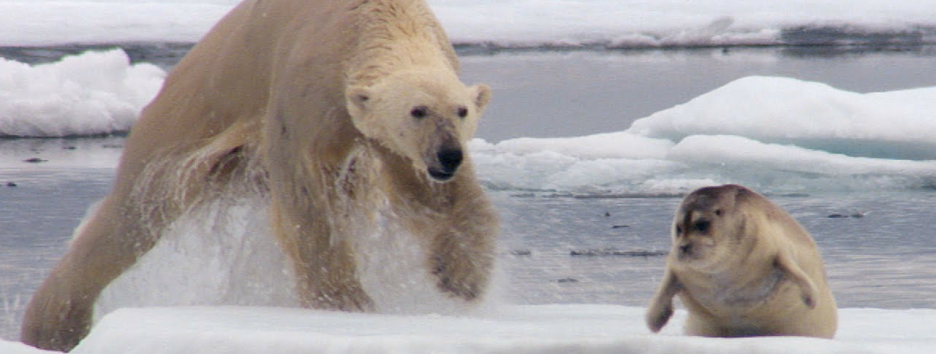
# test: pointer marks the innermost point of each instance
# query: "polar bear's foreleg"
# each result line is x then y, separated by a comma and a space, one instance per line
462, 255
326, 269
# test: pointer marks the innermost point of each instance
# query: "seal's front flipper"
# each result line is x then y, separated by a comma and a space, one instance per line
794, 273
661, 307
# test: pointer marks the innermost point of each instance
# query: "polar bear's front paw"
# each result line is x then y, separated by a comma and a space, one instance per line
351, 300
463, 291
462, 283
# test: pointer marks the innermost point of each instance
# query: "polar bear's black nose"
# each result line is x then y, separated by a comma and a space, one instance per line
450, 159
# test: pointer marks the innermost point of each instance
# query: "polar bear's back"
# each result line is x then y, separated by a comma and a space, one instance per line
229, 75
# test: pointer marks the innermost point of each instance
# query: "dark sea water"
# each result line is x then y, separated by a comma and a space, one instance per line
884, 259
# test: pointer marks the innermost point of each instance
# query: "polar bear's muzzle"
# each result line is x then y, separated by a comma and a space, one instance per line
445, 164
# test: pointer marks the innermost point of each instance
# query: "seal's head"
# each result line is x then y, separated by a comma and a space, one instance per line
711, 226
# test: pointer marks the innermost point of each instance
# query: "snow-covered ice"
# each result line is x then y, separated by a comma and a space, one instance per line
88, 94
895, 125
516, 23
617, 23
791, 135
509, 329
9, 347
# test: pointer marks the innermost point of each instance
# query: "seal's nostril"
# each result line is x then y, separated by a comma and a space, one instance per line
450, 159
685, 248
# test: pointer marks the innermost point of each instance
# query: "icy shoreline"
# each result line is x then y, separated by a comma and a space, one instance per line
508, 329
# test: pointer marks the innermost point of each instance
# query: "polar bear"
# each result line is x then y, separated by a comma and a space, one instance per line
329, 108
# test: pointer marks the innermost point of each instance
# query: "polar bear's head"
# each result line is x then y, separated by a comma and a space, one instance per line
426, 117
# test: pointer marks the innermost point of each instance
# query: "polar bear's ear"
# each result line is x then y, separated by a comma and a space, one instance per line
357, 97
482, 95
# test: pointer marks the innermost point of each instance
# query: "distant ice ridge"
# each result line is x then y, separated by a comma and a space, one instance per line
54, 22
891, 125
674, 23
89, 94
774, 134
515, 23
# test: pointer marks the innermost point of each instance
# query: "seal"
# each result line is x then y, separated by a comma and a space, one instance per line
742, 266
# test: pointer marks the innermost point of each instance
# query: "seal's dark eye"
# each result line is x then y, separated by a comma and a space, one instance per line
701, 226
678, 230
462, 112
718, 212
419, 112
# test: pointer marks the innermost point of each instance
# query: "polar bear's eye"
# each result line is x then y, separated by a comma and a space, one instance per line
419, 112
462, 112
